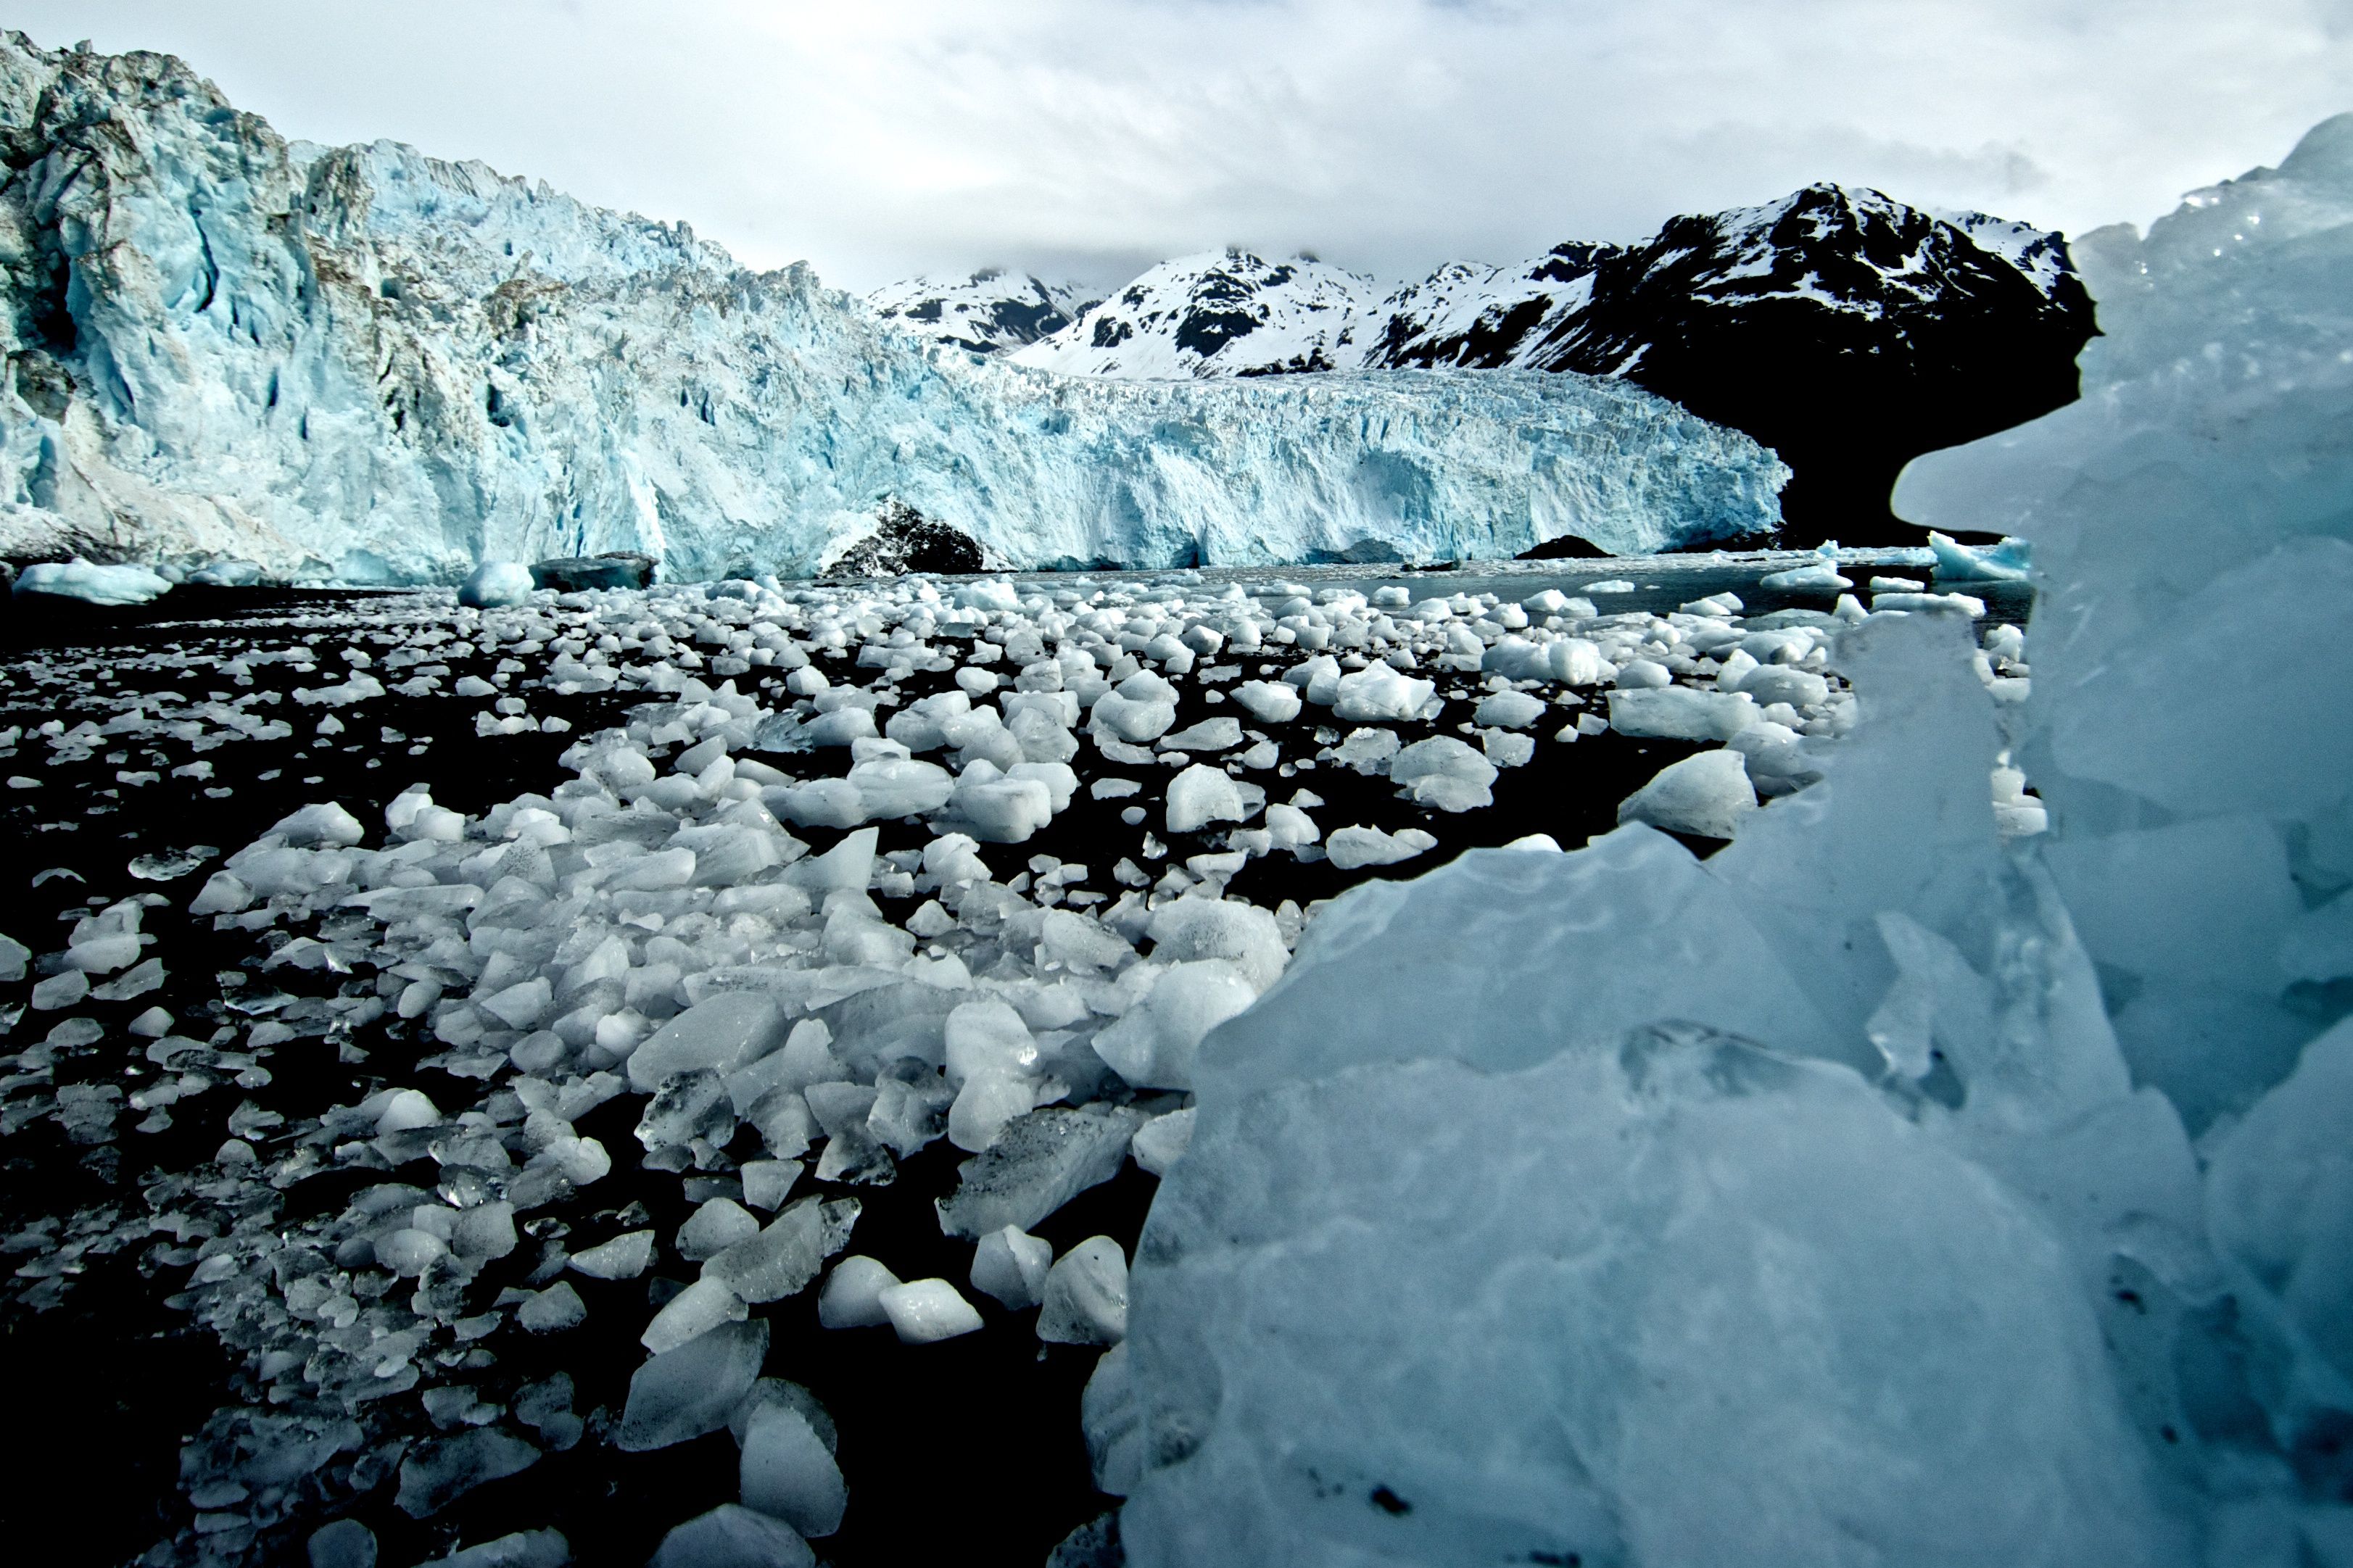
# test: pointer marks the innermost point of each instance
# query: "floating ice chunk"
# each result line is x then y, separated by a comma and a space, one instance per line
2011, 561
553, 1310
1706, 795
1001, 810
14, 957
1816, 576
1643, 675
1507, 749
440, 1470
1681, 713
1153, 1044
1078, 943
691, 1390
1896, 585
694, 1312
732, 1536
1038, 1163
104, 953
787, 1472
223, 893
766, 1182
524, 1549
496, 585
1366, 751
787, 1253
625, 1256
1940, 604
326, 825
1770, 683
1201, 794
345, 1543
924, 1311
1351, 848
1136, 722
153, 1023
1443, 773
1612, 585
1162, 1140
853, 1297
1379, 693
819, 803
1085, 1299
1509, 709
1288, 828
1010, 1265
713, 1227
405, 1108
109, 586
1269, 702
1198, 926
60, 990
1220, 734
900, 787
848, 865
719, 1035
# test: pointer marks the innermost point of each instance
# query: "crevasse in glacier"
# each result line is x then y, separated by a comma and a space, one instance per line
1875, 1192
366, 364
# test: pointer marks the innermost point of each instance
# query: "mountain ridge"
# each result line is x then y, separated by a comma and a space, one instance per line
1845, 330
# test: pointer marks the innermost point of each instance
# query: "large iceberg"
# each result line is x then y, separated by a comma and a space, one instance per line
1878, 1191
366, 364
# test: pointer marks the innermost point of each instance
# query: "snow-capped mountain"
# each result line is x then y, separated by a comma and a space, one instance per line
365, 364
1217, 314
991, 311
1848, 331
1845, 330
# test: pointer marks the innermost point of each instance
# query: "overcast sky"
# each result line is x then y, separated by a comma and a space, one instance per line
1088, 138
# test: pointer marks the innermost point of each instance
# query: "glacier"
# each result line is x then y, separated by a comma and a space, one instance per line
364, 364
1879, 1191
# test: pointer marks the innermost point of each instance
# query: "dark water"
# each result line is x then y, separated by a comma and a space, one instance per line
967, 1450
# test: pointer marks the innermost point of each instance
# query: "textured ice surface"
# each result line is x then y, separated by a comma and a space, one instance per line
91, 584
788, 1472
365, 362
1831, 1200
732, 1536
684, 1393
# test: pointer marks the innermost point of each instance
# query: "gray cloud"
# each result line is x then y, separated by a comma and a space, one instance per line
1088, 137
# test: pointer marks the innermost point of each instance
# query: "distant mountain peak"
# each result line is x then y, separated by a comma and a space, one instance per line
1222, 313
994, 311
1846, 329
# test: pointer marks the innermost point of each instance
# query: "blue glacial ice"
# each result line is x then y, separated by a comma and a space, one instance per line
1879, 1191
364, 363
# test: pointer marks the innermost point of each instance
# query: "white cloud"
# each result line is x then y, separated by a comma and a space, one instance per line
1093, 136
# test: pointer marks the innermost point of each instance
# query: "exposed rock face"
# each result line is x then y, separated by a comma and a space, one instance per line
365, 364
904, 540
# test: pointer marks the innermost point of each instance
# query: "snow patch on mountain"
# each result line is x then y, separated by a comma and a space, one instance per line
992, 311
1216, 314
363, 364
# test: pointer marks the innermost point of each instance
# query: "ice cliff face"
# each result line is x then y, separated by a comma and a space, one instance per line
992, 311
366, 364
1846, 331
